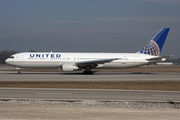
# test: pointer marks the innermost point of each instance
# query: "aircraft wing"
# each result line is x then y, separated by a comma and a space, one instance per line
94, 63
160, 58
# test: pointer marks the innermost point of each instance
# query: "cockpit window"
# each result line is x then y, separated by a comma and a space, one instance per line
12, 57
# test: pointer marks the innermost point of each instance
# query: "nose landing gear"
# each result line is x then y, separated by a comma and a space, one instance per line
18, 70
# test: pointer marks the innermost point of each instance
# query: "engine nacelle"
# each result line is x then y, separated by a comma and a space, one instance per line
69, 67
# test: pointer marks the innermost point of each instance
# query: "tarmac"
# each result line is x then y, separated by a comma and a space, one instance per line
12, 112
88, 94
98, 76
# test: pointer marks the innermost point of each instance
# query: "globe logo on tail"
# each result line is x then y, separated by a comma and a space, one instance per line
151, 48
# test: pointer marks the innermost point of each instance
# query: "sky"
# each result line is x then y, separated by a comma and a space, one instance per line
120, 26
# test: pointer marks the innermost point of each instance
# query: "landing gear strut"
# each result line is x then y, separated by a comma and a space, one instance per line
88, 71
18, 71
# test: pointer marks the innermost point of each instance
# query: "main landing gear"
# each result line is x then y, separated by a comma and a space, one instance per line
18, 70
88, 71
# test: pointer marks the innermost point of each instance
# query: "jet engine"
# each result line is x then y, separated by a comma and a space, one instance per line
69, 67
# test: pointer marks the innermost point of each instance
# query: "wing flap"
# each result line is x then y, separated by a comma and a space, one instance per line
94, 63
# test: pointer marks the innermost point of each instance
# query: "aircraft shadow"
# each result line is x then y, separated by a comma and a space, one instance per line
81, 73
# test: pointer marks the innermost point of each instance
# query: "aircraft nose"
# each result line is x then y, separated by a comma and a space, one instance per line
7, 61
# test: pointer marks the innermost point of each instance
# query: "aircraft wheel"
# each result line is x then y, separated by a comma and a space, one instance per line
19, 72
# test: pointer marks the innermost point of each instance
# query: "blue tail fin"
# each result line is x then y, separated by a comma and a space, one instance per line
154, 46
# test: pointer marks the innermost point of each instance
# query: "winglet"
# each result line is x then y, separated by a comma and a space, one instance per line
154, 46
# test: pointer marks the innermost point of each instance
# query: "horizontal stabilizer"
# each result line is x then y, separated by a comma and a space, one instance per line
160, 58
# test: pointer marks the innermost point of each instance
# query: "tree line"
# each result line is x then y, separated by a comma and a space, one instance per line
6, 54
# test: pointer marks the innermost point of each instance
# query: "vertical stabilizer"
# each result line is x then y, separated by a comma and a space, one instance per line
154, 46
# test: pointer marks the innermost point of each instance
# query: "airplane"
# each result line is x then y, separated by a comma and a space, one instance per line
69, 61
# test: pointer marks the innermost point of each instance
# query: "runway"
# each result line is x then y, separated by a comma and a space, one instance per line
77, 94
99, 76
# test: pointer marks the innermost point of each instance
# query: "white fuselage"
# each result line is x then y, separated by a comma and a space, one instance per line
69, 62
56, 59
